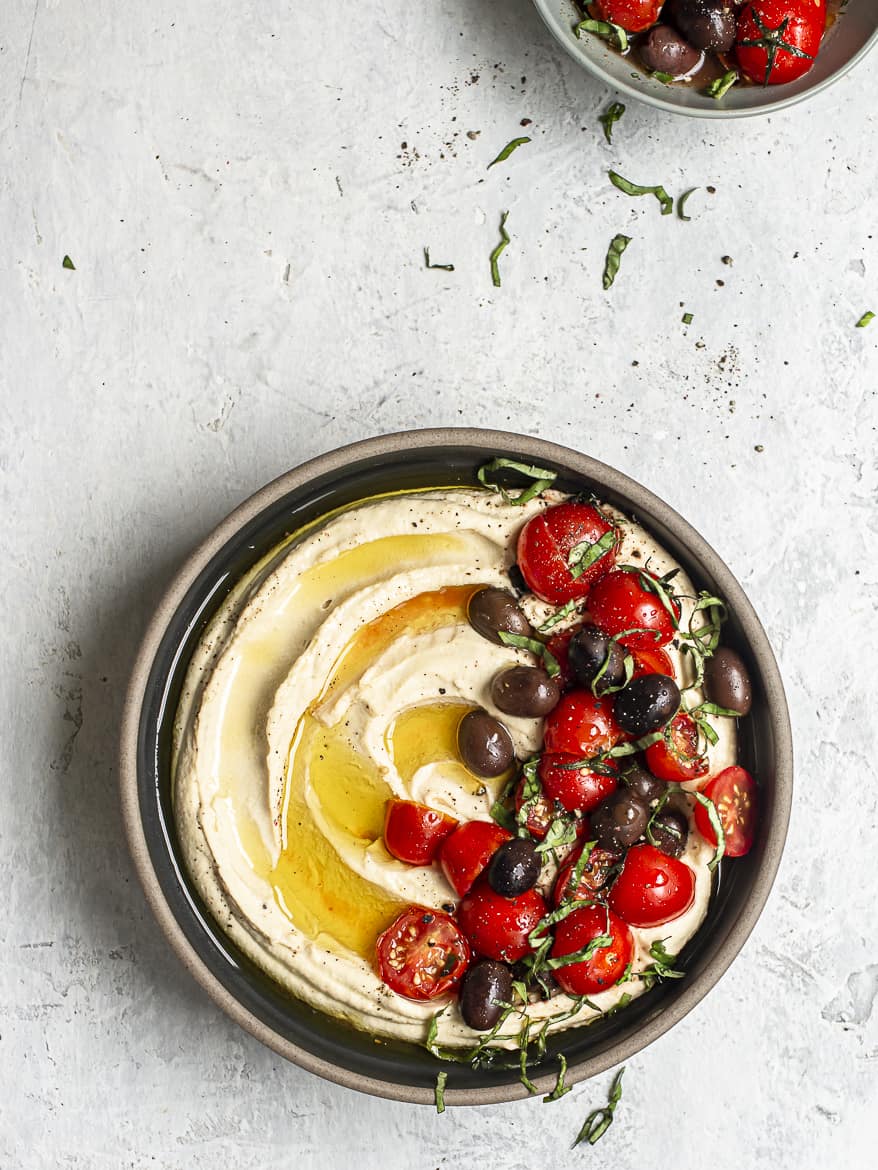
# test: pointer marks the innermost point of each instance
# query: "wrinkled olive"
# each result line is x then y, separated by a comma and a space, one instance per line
485, 987
727, 682
515, 867
491, 610
484, 744
619, 821
587, 653
663, 50
641, 783
525, 690
646, 704
670, 831
706, 24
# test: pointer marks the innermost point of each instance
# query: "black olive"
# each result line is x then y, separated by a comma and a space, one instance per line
525, 690
484, 744
641, 783
515, 867
670, 831
517, 581
491, 610
587, 653
619, 821
485, 987
663, 50
646, 704
727, 682
706, 24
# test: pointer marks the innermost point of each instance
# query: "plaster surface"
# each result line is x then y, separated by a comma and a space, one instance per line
245, 192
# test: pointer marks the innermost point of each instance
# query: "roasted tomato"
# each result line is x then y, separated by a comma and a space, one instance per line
466, 851
422, 953
652, 887
606, 965
547, 541
676, 756
575, 789
733, 792
581, 726
620, 601
413, 832
652, 660
540, 812
632, 15
594, 876
499, 927
778, 40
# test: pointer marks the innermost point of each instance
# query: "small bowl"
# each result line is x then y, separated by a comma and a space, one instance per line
319, 1043
847, 42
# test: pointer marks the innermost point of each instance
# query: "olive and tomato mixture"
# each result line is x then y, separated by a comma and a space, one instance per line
588, 837
766, 42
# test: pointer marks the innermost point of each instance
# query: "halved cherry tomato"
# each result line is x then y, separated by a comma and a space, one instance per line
652, 660
778, 40
652, 887
676, 756
632, 15
422, 953
466, 852
575, 789
620, 602
499, 927
733, 792
606, 965
593, 878
581, 726
413, 832
545, 544
540, 812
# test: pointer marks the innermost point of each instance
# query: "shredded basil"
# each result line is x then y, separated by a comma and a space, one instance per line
662, 966
865, 320
610, 118
658, 586
541, 476
441, 1078
560, 1087
606, 31
720, 86
495, 255
503, 816
629, 188
664, 78
68, 263
618, 244
599, 1120
599, 943
688, 318
443, 267
507, 150
583, 555
681, 206
561, 831
558, 616
538, 648
716, 825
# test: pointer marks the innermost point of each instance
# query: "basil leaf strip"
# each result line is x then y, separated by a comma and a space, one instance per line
606, 31
716, 825
561, 831
444, 267
720, 86
865, 320
560, 1088
441, 1078
495, 255
599, 1120
535, 647
583, 555
68, 263
506, 151
618, 244
681, 213
610, 118
558, 616
542, 477
629, 188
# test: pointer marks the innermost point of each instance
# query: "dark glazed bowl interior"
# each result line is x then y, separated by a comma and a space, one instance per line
315, 1041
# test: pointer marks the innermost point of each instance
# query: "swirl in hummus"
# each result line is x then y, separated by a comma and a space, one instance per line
332, 679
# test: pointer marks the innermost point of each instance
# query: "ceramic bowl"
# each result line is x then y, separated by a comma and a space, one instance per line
846, 43
410, 461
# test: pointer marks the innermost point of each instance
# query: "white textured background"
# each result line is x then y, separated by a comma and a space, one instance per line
247, 228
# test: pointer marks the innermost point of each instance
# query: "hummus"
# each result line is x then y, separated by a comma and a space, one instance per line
332, 679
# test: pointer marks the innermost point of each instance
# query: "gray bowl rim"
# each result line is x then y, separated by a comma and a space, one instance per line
650, 98
538, 450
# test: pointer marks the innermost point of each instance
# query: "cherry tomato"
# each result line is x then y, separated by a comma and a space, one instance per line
606, 965
652, 887
620, 602
575, 789
466, 851
632, 15
733, 792
498, 927
413, 832
581, 726
779, 39
545, 543
594, 875
676, 756
652, 660
422, 953
540, 813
